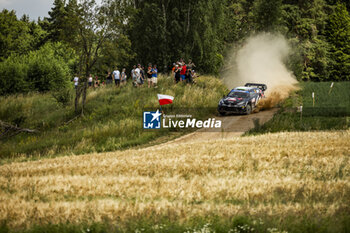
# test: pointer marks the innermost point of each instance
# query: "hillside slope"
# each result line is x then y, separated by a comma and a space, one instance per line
112, 120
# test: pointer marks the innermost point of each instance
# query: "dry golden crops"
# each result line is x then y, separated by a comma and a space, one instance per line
272, 174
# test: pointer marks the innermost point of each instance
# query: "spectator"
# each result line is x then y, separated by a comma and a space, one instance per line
138, 75
149, 75
133, 75
116, 74
154, 76
123, 77
143, 76
177, 73
109, 78
193, 76
190, 65
173, 70
76, 81
183, 71
188, 77
97, 82
90, 80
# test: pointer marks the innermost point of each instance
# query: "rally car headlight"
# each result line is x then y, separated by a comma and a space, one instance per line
221, 102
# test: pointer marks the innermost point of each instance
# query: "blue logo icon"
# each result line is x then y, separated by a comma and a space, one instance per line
151, 120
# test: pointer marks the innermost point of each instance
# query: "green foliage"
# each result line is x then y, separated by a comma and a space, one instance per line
17, 36
164, 31
116, 53
267, 14
330, 112
123, 33
46, 71
304, 23
41, 70
13, 73
208, 34
316, 60
63, 96
57, 21
338, 35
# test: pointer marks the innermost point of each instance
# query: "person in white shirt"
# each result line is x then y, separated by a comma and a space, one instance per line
123, 77
90, 80
138, 75
116, 75
133, 75
76, 81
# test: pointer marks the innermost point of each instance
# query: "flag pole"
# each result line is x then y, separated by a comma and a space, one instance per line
161, 110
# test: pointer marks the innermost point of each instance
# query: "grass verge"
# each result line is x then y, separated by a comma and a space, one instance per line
330, 109
210, 224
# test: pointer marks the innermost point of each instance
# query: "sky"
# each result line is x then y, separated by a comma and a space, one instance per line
33, 8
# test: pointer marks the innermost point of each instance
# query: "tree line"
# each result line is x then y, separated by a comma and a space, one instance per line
83, 37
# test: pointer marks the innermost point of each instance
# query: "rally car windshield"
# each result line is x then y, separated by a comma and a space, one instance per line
238, 94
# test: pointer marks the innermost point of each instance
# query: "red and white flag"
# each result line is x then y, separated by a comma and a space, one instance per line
165, 99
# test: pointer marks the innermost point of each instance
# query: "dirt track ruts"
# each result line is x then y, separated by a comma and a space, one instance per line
232, 126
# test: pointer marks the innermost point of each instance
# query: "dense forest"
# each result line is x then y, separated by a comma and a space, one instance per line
80, 37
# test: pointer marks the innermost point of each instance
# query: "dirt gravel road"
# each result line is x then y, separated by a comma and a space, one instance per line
233, 126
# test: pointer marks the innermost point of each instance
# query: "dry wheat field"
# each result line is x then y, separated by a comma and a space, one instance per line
306, 173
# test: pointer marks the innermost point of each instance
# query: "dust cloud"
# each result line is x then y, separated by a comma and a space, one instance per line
262, 60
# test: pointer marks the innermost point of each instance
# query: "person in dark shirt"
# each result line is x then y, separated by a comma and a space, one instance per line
177, 74
190, 65
109, 78
149, 75
142, 72
188, 77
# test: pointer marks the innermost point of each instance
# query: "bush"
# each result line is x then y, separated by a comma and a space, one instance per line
13, 73
63, 96
40, 70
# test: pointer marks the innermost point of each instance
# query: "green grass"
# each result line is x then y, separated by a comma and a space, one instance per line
331, 111
209, 224
112, 120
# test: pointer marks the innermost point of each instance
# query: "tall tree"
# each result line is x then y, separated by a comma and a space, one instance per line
57, 20
304, 24
163, 31
71, 21
94, 27
338, 34
267, 14
18, 36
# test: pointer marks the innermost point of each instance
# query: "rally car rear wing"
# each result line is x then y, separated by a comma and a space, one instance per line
262, 87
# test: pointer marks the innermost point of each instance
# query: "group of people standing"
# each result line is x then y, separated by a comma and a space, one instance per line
91, 81
139, 75
118, 77
183, 72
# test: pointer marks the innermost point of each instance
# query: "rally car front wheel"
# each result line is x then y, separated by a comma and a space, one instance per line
248, 109
222, 113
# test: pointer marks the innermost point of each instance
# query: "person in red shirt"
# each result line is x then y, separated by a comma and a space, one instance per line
173, 70
183, 71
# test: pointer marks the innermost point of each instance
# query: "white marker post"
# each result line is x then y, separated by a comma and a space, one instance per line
313, 99
300, 109
331, 88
